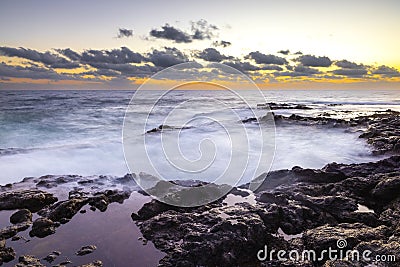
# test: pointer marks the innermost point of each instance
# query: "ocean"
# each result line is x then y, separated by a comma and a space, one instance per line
80, 132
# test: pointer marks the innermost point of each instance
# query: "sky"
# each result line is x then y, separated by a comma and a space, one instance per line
278, 44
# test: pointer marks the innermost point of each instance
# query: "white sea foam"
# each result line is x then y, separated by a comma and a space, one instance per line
80, 133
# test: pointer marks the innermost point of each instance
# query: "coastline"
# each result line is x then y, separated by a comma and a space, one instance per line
293, 209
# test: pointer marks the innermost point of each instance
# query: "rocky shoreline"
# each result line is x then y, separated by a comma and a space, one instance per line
295, 209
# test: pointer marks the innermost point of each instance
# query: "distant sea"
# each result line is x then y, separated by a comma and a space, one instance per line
79, 132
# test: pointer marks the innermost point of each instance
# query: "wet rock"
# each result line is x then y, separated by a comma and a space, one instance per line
93, 264
100, 202
21, 216
389, 249
33, 200
6, 253
388, 188
43, 227
51, 181
10, 231
150, 210
64, 209
274, 106
52, 256
86, 250
28, 260
327, 236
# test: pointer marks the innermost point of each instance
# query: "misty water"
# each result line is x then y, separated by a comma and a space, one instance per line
80, 132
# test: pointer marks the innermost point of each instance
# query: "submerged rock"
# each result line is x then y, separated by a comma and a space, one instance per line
86, 250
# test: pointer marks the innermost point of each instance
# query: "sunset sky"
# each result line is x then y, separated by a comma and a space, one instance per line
279, 44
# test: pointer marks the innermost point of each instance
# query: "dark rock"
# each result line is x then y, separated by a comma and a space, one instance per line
28, 260
64, 209
10, 231
86, 250
52, 256
43, 227
21, 216
387, 189
327, 236
150, 210
93, 264
33, 200
390, 249
7, 254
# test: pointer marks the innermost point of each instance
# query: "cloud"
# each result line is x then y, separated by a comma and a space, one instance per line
171, 33
222, 43
350, 72
211, 54
127, 70
261, 58
203, 30
47, 58
28, 72
313, 61
386, 71
168, 57
298, 53
298, 71
200, 30
121, 55
348, 65
241, 66
284, 52
124, 33
306, 70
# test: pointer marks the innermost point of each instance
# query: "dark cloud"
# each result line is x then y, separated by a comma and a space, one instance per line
211, 54
298, 71
222, 43
348, 65
47, 58
306, 70
261, 58
203, 30
386, 71
284, 52
298, 53
241, 66
122, 55
170, 33
313, 61
124, 33
350, 72
289, 73
72, 55
28, 72
200, 30
167, 57
271, 67
126, 70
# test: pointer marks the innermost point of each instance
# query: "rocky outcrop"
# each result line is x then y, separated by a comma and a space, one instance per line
313, 208
33, 200
21, 216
